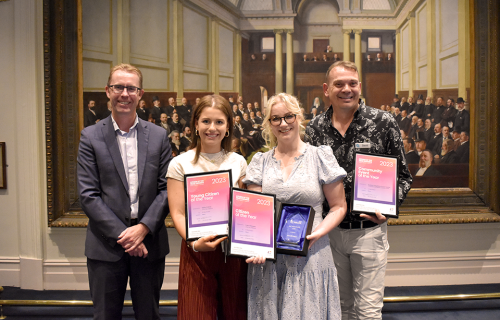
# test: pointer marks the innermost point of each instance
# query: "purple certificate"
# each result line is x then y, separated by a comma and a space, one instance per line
375, 184
207, 203
252, 224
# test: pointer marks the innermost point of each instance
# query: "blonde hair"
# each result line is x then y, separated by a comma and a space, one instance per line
127, 68
292, 104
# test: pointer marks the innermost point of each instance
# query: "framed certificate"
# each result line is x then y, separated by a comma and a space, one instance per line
252, 224
294, 224
375, 184
207, 198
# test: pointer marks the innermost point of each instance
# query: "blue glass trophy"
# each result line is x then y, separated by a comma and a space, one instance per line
295, 223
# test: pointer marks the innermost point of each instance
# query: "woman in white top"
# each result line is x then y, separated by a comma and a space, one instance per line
210, 285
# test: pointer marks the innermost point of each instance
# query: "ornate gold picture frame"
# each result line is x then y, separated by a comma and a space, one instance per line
63, 101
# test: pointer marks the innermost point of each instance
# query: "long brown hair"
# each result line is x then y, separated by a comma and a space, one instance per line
219, 103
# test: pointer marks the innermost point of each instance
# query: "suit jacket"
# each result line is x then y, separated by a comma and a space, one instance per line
156, 113
419, 110
463, 153
412, 157
89, 118
184, 143
428, 111
428, 133
462, 121
430, 172
434, 141
448, 115
450, 157
143, 114
103, 189
437, 113
405, 125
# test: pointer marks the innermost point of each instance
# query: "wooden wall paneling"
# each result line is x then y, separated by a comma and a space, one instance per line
418, 92
446, 94
319, 45
379, 88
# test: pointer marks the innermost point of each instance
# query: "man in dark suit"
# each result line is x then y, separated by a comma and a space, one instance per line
425, 166
142, 112
410, 154
186, 138
90, 117
403, 105
428, 108
414, 127
395, 102
462, 118
169, 110
405, 123
185, 111
436, 139
428, 131
107, 111
175, 124
122, 163
157, 110
438, 111
448, 115
418, 109
463, 149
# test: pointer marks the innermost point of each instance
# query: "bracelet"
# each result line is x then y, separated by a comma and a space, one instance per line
192, 246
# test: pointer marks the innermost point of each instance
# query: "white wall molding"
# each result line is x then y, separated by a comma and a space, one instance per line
10, 271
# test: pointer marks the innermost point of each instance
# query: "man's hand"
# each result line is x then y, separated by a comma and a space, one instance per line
140, 251
378, 219
132, 237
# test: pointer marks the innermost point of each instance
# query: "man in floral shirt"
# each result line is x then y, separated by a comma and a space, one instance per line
359, 244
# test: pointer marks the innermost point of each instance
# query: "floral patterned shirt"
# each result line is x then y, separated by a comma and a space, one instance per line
371, 130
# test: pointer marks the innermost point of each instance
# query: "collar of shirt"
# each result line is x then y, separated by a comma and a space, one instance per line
117, 128
355, 119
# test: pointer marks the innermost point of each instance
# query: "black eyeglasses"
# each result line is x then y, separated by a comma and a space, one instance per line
289, 118
118, 88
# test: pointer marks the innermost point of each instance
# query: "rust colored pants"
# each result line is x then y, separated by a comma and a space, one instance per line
210, 288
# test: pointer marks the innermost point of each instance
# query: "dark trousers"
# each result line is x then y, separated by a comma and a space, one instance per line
108, 283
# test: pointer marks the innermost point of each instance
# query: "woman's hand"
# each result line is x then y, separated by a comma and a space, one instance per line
256, 260
315, 236
207, 243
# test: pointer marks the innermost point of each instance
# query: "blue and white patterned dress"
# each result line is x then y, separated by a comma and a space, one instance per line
296, 287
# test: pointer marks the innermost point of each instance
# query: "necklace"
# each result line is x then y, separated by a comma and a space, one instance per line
213, 157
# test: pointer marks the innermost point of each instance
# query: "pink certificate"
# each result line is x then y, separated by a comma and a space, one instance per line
375, 184
207, 203
252, 224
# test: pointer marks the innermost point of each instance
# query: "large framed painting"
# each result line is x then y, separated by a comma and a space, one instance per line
469, 193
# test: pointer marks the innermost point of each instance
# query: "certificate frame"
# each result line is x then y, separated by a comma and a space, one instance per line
309, 223
372, 174
193, 185
265, 210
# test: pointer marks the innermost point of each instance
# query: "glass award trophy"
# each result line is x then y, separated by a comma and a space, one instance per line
294, 224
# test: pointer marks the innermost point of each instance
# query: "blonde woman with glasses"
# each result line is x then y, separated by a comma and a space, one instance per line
296, 287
